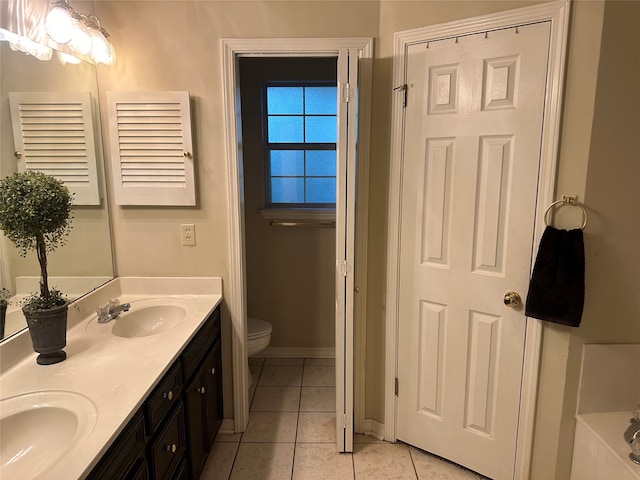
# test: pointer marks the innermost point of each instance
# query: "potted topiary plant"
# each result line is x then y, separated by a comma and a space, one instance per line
35, 214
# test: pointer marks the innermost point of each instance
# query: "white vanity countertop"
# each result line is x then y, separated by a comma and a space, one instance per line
115, 373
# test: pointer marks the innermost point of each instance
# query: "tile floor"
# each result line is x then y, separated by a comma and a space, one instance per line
291, 435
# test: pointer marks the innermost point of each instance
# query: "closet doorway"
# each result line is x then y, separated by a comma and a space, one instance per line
351, 148
289, 200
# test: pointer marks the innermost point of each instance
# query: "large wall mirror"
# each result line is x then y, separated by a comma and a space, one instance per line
86, 261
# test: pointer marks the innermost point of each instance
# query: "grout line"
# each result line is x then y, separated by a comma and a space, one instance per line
235, 457
295, 441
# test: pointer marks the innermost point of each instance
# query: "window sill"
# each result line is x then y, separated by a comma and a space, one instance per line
320, 216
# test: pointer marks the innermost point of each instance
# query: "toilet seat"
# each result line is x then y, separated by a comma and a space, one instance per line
257, 328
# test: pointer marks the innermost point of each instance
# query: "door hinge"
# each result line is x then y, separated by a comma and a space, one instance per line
396, 387
344, 268
347, 92
344, 421
402, 87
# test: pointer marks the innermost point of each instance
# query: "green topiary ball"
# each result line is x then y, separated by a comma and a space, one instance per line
35, 206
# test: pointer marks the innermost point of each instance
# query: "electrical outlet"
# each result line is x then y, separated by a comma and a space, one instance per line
188, 233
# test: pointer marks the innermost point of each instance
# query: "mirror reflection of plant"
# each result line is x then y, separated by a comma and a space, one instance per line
5, 295
35, 214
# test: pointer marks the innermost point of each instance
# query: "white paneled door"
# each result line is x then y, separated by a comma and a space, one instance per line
472, 142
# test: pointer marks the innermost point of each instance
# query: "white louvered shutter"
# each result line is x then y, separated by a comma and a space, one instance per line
53, 131
150, 134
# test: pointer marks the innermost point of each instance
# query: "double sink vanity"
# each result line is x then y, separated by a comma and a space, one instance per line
137, 397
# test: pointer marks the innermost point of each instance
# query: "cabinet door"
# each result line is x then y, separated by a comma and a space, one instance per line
194, 395
125, 455
213, 394
168, 448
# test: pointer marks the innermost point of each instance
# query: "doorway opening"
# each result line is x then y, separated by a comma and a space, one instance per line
353, 106
289, 110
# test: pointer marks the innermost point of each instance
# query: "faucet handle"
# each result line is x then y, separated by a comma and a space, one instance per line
636, 413
114, 302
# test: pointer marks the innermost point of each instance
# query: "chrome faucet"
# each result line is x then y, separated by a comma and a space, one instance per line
111, 310
632, 437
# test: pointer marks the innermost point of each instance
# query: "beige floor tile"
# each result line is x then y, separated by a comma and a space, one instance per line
271, 427
220, 461
252, 392
383, 462
281, 376
284, 361
256, 361
255, 372
319, 376
263, 461
430, 467
319, 361
321, 461
276, 399
228, 438
316, 427
318, 399
358, 438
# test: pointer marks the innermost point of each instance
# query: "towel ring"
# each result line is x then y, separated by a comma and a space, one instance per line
567, 201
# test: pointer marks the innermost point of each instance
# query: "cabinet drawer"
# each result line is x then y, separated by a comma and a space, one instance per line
166, 394
200, 344
168, 448
120, 460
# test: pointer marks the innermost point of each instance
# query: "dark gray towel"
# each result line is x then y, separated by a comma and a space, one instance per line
556, 290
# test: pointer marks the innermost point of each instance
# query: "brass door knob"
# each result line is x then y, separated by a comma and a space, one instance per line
512, 299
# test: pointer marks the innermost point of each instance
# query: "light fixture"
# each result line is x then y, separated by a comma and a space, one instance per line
66, 58
36, 27
102, 50
22, 26
59, 23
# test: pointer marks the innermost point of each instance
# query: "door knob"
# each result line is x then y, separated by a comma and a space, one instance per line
512, 299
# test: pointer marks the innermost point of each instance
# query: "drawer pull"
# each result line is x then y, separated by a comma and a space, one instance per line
168, 395
172, 448
202, 390
213, 371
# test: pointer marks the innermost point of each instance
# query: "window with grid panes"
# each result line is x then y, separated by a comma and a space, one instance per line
300, 141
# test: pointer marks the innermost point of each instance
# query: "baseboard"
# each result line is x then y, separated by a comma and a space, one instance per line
374, 428
298, 352
227, 427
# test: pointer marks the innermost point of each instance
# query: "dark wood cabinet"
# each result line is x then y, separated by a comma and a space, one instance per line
168, 448
212, 381
203, 395
171, 435
126, 458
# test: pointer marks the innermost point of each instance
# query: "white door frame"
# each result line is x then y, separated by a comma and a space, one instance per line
558, 13
235, 296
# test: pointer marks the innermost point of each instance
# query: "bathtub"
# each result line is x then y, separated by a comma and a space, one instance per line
599, 451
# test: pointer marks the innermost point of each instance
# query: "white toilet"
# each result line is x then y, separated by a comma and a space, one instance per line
258, 338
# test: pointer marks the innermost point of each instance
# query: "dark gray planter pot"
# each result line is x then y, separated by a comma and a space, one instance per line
48, 330
3, 318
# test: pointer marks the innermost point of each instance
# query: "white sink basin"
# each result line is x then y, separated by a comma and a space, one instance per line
149, 320
38, 429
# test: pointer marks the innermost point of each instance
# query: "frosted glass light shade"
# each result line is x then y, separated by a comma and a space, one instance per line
22, 26
81, 41
59, 25
101, 49
66, 58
